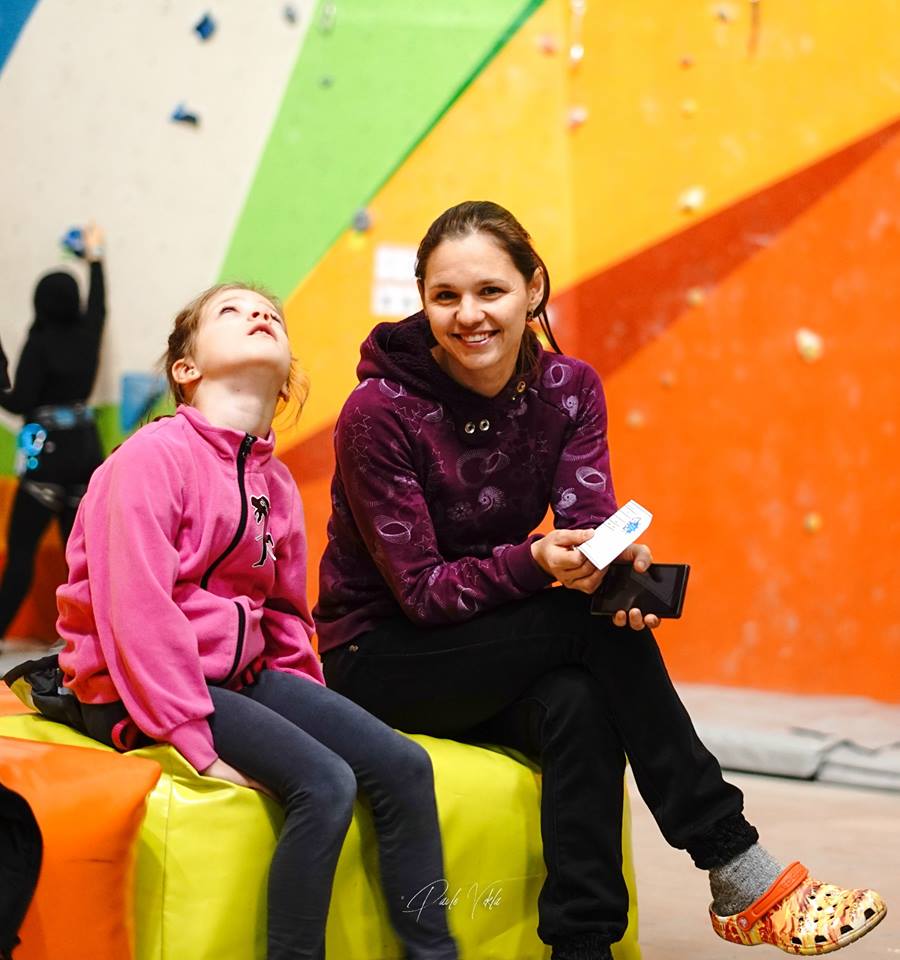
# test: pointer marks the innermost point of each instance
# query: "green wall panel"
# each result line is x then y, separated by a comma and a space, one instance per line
361, 96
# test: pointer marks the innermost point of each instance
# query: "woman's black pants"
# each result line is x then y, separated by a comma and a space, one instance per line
578, 694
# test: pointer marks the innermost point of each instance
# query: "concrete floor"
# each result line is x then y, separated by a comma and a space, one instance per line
844, 835
13, 652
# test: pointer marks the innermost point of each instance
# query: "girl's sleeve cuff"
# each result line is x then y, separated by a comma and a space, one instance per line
193, 740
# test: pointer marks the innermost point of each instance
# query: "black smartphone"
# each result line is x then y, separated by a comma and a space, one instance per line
659, 590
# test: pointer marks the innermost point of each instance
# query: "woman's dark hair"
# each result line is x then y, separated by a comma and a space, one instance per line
483, 216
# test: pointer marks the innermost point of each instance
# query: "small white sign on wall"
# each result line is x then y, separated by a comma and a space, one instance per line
394, 290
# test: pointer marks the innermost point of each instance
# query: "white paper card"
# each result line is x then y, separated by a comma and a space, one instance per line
394, 290
616, 533
393, 262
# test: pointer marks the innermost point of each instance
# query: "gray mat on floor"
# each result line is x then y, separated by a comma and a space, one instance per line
850, 740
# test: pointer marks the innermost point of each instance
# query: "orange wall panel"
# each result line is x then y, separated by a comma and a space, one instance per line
775, 477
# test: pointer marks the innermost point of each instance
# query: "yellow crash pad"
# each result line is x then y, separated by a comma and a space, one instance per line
205, 845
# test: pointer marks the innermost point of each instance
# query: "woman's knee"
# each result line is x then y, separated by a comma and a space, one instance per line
572, 700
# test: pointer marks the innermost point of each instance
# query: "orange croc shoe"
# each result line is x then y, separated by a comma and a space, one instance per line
800, 915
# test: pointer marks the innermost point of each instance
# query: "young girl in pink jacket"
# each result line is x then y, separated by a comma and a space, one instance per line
185, 622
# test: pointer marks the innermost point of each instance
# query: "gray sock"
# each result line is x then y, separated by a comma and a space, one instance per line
741, 881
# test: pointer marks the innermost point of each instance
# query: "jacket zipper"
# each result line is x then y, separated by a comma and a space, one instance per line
239, 646
244, 450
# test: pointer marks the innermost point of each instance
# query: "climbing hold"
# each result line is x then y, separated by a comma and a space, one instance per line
205, 27
695, 296
688, 107
548, 44
635, 419
577, 116
290, 13
812, 522
73, 241
576, 32
326, 82
328, 16
686, 61
725, 12
809, 344
182, 115
362, 220
691, 199
668, 378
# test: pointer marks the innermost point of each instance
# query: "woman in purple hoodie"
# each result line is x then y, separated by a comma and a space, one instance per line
435, 613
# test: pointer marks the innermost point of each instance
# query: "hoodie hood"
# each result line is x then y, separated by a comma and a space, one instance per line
401, 352
56, 300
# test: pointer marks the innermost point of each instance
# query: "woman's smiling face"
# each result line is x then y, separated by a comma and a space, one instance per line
477, 304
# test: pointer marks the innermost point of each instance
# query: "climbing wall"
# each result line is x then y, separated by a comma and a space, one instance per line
737, 221
236, 143
713, 187
711, 193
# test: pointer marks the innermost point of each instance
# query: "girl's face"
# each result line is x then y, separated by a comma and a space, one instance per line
477, 305
239, 331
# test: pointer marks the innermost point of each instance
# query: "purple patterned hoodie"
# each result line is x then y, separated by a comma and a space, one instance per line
437, 489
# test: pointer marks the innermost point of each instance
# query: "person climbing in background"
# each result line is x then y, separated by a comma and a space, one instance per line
185, 622
437, 610
58, 447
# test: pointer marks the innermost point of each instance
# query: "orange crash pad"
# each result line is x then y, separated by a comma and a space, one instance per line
89, 806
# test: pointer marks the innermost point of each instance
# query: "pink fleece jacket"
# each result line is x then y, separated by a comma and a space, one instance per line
187, 566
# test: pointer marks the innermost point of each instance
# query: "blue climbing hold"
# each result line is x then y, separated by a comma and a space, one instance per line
182, 115
73, 241
206, 27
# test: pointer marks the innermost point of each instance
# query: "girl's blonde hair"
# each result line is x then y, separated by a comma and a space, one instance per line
184, 331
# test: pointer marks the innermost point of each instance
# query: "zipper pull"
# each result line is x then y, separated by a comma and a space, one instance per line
246, 444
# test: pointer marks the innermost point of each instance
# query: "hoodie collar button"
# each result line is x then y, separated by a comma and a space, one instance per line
484, 425
520, 386
469, 427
